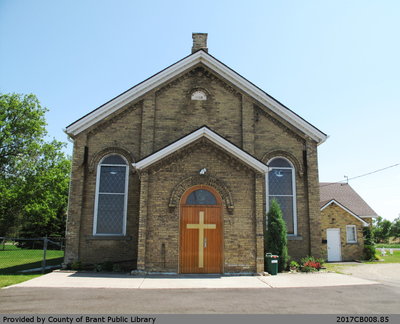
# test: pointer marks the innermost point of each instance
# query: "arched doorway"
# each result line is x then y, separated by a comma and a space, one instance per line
200, 247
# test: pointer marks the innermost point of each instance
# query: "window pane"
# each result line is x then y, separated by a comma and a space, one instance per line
279, 162
113, 159
112, 179
286, 204
280, 182
201, 197
351, 234
110, 214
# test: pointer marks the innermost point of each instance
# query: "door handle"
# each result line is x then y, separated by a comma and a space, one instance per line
205, 242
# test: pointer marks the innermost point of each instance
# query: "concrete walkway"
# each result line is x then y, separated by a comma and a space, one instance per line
60, 279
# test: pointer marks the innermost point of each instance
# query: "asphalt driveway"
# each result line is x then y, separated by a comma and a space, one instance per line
385, 273
371, 289
361, 299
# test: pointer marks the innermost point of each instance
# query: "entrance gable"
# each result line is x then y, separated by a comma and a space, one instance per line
207, 133
159, 229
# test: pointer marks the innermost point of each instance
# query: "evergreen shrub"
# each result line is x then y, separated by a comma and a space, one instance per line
276, 235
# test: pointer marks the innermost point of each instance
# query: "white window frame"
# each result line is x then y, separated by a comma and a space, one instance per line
96, 200
355, 233
294, 196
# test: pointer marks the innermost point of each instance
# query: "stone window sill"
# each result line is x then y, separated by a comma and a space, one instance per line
352, 243
109, 238
294, 238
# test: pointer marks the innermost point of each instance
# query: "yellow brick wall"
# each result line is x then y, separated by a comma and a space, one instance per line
334, 216
159, 118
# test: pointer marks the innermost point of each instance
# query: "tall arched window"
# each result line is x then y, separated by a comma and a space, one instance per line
111, 196
282, 187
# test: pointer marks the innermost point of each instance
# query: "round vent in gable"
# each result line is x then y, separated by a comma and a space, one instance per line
199, 95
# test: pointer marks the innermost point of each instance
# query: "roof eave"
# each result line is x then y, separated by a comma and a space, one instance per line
243, 156
179, 67
333, 201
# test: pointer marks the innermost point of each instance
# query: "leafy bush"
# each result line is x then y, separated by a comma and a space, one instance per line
311, 264
98, 268
117, 267
276, 235
294, 265
369, 248
76, 265
388, 246
107, 266
368, 236
369, 253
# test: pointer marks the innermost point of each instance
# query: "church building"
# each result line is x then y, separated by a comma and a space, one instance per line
176, 174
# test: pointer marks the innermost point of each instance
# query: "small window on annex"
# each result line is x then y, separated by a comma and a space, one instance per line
282, 187
351, 234
111, 196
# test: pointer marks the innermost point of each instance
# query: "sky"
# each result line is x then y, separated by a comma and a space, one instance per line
335, 63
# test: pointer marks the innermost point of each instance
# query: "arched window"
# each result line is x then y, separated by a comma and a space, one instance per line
282, 187
199, 95
111, 196
201, 197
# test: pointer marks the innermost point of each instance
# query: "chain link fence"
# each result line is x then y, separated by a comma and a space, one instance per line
30, 255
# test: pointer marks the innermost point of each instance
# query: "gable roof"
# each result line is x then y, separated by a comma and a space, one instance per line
204, 131
333, 201
344, 195
180, 67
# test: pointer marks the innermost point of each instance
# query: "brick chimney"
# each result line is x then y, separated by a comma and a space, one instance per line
199, 42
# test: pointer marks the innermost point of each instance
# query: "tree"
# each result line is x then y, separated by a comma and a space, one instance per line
276, 235
45, 193
381, 230
34, 174
395, 229
22, 129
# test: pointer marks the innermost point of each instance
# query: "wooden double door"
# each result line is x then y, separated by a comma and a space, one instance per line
201, 232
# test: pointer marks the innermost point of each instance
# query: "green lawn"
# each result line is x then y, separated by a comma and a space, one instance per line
8, 280
395, 258
13, 260
338, 267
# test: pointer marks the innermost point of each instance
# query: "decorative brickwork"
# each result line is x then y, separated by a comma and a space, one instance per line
204, 179
110, 150
275, 153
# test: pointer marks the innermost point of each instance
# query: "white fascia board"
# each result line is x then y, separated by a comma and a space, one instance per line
133, 94
263, 98
181, 66
333, 201
213, 137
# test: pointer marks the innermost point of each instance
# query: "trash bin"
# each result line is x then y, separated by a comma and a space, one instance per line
272, 263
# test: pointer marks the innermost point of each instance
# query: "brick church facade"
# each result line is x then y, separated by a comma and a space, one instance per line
176, 174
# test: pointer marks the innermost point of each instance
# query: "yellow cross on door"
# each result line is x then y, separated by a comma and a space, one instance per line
201, 227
